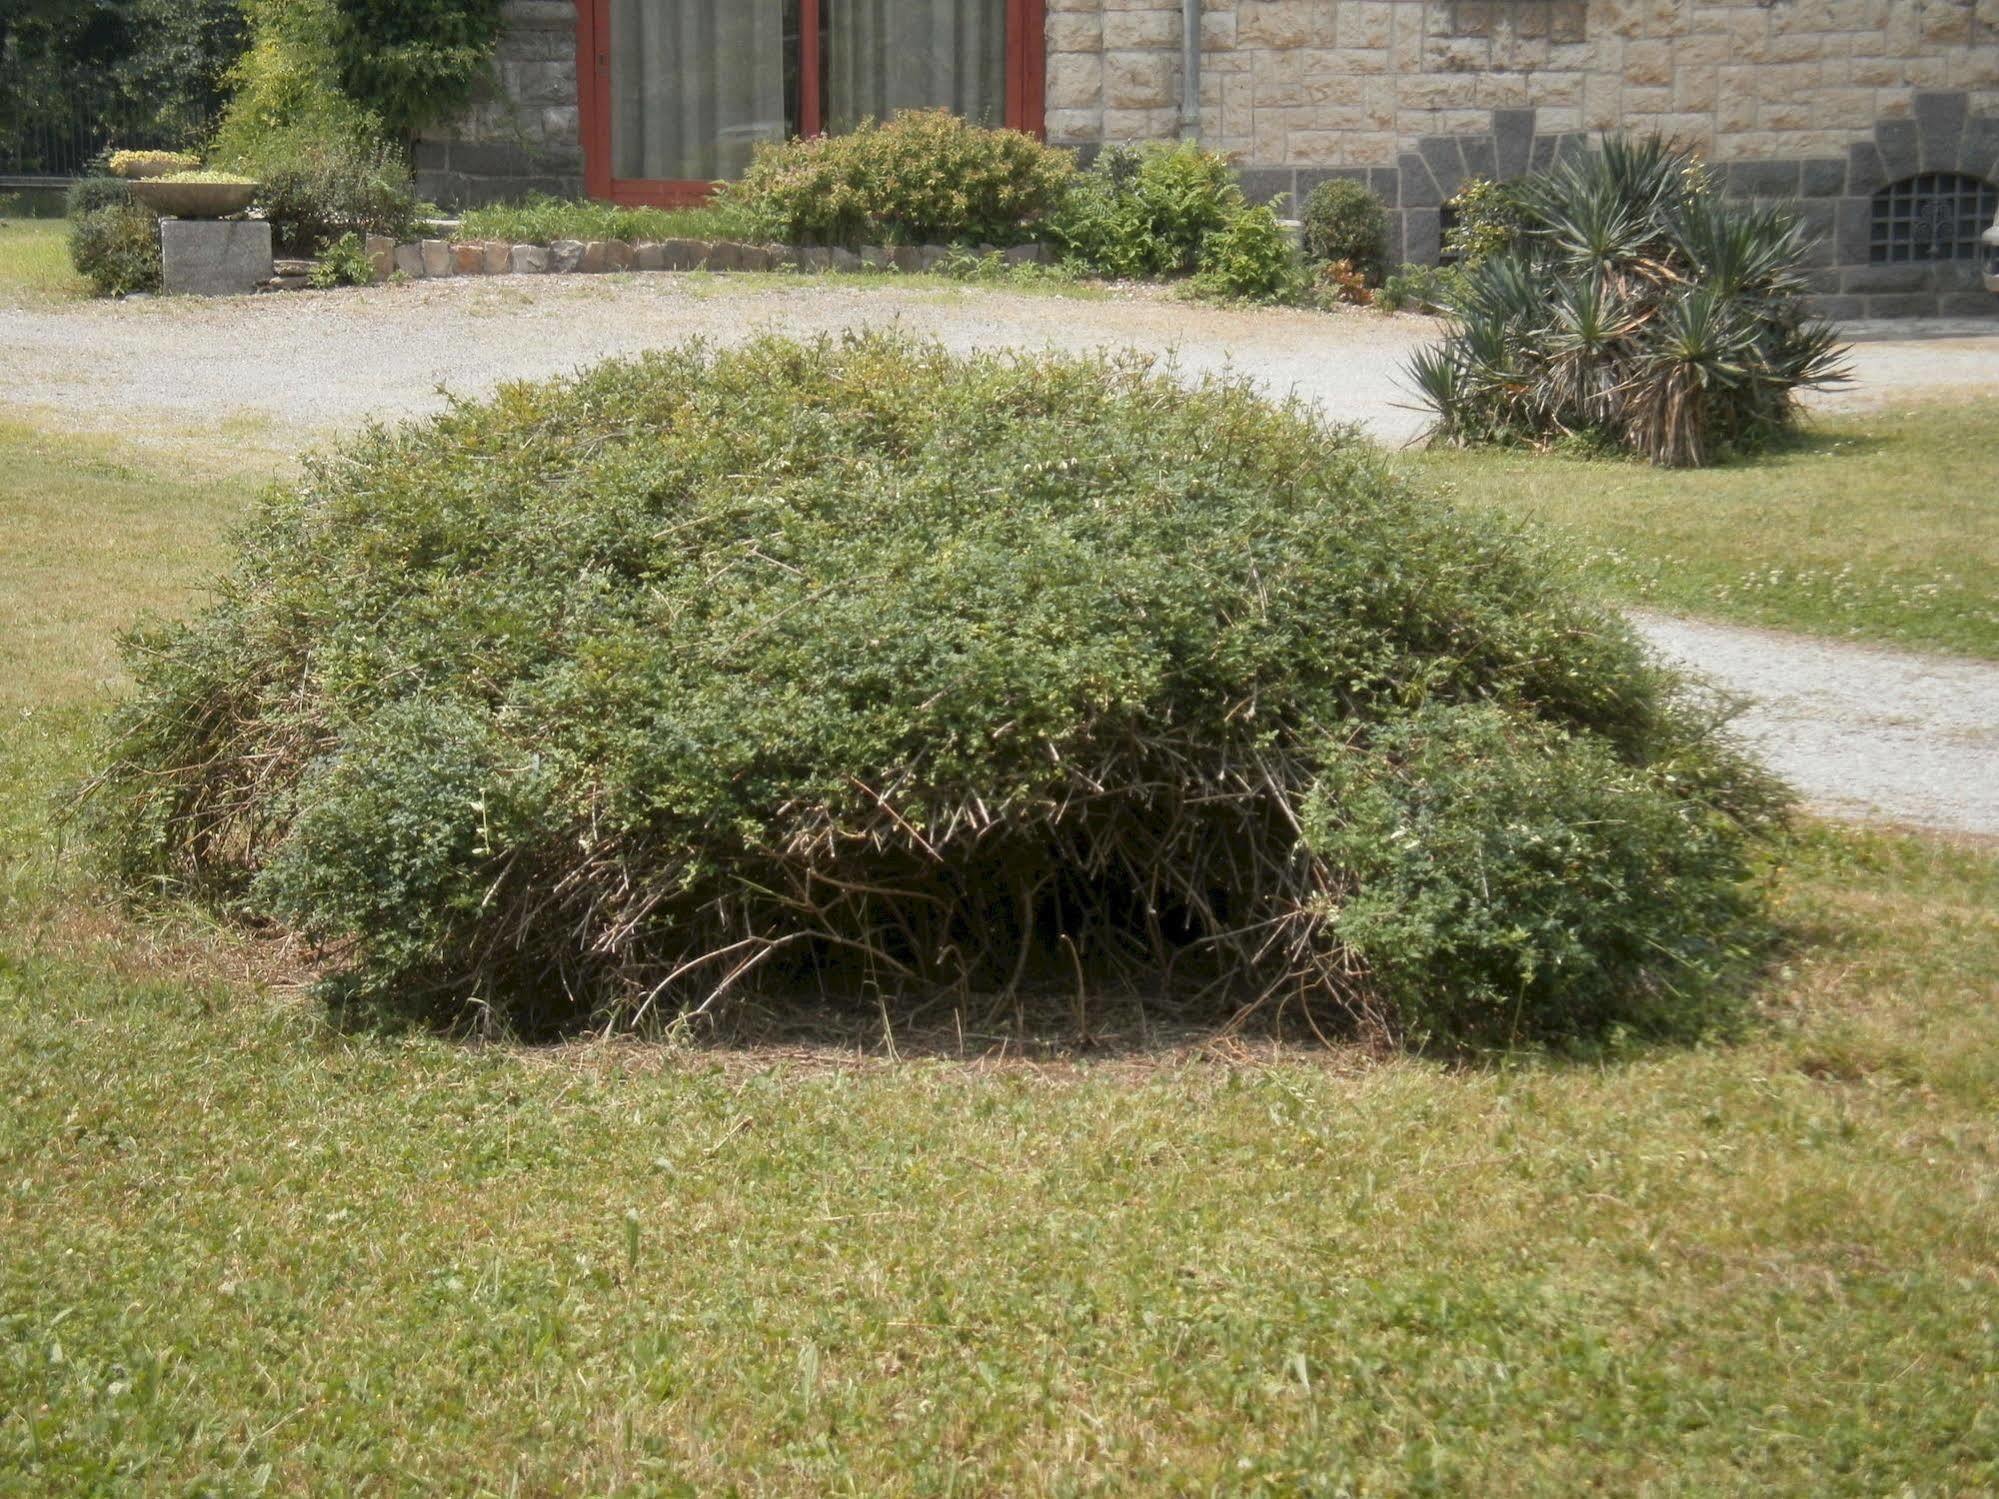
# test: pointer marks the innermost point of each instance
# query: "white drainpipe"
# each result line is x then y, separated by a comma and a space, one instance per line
1190, 70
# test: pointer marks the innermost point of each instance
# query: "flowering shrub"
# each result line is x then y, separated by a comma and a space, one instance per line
925, 176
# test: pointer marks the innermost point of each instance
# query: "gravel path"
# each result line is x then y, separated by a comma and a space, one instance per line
1863, 733
1867, 734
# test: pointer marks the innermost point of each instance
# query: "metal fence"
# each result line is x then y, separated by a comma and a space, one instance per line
53, 129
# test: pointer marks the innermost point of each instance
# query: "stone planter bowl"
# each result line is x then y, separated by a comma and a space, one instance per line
195, 200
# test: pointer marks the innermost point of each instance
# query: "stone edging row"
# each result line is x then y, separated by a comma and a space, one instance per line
437, 258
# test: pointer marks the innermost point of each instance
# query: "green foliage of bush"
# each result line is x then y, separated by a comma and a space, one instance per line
412, 63
285, 94
1485, 219
88, 194
924, 177
1637, 308
315, 190
542, 220
1342, 220
345, 262
1143, 211
849, 665
1250, 259
1419, 288
1508, 878
118, 248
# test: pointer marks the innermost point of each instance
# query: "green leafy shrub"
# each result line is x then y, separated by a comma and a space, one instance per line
828, 667
1143, 211
1250, 259
924, 177
1506, 878
1342, 220
345, 262
285, 94
1635, 307
118, 248
411, 63
315, 190
1485, 217
88, 194
1419, 288
542, 220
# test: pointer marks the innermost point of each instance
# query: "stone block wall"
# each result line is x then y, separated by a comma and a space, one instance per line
1819, 100
525, 137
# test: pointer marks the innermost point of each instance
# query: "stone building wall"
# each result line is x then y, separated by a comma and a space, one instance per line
527, 135
1824, 101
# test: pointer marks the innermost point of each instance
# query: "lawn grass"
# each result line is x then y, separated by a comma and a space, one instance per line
34, 263
243, 1250
1881, 527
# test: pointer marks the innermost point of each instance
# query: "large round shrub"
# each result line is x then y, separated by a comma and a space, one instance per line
836, 666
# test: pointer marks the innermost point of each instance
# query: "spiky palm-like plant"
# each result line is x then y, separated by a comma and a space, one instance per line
1636, 306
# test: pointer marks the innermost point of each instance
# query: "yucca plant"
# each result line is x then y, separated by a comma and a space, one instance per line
1636, 307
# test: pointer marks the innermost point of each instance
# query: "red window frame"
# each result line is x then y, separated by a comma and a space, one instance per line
1026, 69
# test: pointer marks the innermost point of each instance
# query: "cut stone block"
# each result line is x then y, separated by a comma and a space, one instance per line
468, 260
649, 255
499, 257
843, 259
409, 260
437, 259
566, 255
381, 255
755, 258
529, 260
617, 255
682, 254
722, 256
214, 257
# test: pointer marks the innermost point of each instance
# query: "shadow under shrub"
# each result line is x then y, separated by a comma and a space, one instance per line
840, 667
1631, 304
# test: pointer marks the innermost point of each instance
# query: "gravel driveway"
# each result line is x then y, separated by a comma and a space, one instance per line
1862, 732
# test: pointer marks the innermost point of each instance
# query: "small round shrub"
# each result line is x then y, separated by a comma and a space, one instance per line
1485, 219
828, 668
1342, 220
118, 248
1143, 211
926, 176
88, 194
345, 262
1250, 259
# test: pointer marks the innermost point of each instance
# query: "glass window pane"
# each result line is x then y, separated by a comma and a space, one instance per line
695, 84
885, 55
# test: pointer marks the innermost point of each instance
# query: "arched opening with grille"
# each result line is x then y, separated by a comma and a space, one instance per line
1932, 216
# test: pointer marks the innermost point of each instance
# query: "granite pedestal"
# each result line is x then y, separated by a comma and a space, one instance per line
214, 257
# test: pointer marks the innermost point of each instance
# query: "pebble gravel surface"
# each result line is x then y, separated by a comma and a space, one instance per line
1863, 733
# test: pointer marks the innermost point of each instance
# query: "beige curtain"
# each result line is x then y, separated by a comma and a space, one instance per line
885, 55
695, 84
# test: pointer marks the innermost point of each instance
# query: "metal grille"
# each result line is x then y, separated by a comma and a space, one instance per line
1937, 216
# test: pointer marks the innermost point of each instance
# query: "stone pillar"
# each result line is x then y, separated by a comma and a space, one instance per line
214, 257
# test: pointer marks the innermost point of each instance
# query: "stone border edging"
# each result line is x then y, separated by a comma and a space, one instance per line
435, 259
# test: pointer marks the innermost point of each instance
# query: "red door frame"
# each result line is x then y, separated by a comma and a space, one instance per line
1026, 77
